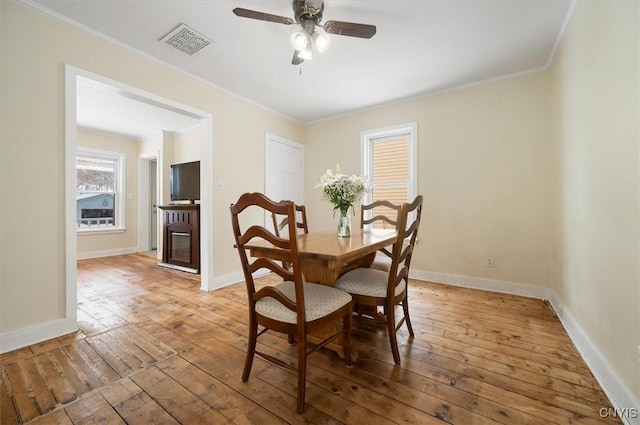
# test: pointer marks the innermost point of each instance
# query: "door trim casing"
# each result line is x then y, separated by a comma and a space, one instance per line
206, 178
144, 207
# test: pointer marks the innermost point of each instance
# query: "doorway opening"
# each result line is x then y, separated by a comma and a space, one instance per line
72, 76
148, 225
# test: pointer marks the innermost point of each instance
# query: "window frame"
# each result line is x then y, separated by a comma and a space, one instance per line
120, 198
368, 137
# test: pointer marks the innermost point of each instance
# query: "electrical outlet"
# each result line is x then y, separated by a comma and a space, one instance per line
488, 262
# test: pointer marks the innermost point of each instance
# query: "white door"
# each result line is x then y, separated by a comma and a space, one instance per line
284, 167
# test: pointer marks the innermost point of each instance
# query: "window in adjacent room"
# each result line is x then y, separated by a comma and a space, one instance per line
99, 190
390, 162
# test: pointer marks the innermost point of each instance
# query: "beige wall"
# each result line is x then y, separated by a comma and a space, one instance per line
89, 243
32, 162
482, 169
186, 146
594, 131
167, 157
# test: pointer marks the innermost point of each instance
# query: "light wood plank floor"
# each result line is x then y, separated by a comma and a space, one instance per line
154, 348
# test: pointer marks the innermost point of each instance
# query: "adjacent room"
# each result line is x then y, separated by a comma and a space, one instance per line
500, 140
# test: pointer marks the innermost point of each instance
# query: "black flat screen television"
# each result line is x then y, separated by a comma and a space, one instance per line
185, 181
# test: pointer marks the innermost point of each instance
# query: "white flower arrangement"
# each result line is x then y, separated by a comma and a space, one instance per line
342, 190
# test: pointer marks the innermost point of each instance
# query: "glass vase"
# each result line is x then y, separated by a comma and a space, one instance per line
344, 225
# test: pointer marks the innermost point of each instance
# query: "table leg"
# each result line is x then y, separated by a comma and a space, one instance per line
317, 336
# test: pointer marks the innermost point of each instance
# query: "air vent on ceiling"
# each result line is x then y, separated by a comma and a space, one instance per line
186, 39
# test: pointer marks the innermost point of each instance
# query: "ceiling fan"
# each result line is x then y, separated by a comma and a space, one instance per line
308, 14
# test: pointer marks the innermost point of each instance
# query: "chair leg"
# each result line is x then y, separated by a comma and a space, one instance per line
302, 371
251, 349
407, 319
359, 311
346, 337
391, 326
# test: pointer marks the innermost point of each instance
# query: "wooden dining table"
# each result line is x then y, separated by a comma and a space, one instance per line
324, 255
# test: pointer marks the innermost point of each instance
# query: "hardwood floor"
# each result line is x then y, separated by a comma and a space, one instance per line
154, 348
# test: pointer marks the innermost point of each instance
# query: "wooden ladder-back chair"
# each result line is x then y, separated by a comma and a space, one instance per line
300, 220
293, 307
372, 287
383, 257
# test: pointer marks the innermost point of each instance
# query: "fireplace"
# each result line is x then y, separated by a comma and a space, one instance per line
181, 237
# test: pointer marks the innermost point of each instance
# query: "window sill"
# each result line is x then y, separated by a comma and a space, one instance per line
100, 231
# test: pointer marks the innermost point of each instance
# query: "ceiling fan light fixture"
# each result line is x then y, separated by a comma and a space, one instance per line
321, 41
306, 54
300, 40
308, 16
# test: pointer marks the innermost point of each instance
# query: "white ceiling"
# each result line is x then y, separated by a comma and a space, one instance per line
420, 48
105, 108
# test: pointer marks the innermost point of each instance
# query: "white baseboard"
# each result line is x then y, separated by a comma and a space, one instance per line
233, 278
23, 337
106, 253
525, 290
618, 393
615, 389
227, 280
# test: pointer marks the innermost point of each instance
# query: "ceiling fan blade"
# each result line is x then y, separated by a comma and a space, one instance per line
350, 29
261, 16
296, 60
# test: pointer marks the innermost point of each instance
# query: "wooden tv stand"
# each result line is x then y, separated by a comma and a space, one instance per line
181, 237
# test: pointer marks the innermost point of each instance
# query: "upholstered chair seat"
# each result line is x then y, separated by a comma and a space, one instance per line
320, 300
368, 282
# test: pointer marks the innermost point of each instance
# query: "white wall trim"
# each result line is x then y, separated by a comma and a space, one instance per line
236, 277
107, 253
23, 337
615, 389
71, 233
144, 199
207, 227
563, 31
525, 290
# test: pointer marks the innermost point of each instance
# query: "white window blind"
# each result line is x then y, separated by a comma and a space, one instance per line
389, 161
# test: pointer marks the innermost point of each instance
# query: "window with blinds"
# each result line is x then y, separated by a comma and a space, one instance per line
389, 156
